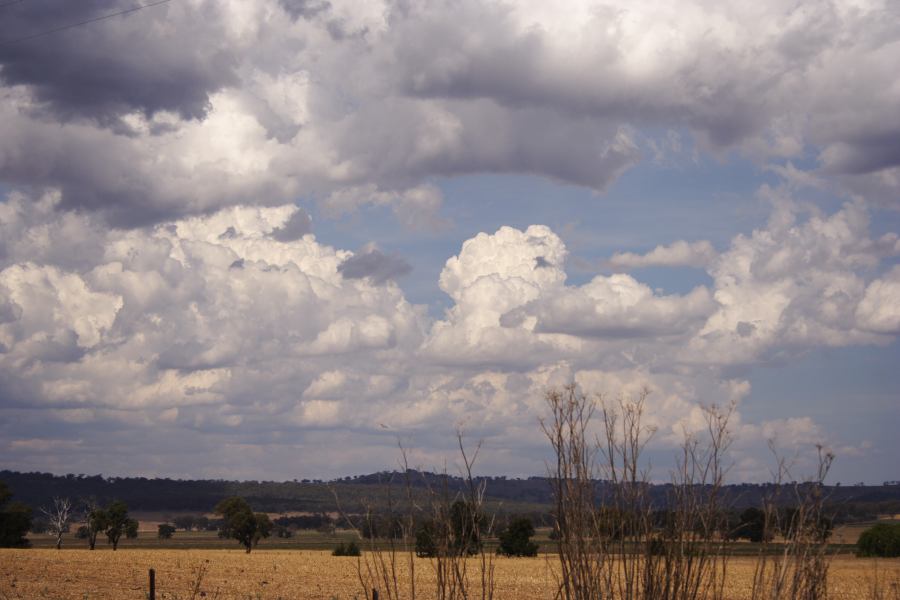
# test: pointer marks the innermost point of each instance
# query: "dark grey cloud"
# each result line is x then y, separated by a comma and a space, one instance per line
162, 58
306, 9
187, 107
296, 227
375, 265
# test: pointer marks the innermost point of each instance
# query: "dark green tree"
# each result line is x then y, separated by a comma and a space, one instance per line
465, 527
15, 520
241, 523
515, 540
118, 523
427, 539
882, 540
752, 526
165, 531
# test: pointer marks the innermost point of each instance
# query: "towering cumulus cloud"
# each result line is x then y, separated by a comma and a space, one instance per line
212, 325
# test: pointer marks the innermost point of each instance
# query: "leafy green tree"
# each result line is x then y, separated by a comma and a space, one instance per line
882, 540
165, 531
241, 523
15, 520
515, 540
118, 523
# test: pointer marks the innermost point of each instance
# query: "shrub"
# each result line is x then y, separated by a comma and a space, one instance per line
515, 540
882, 540
348, 549
165, 531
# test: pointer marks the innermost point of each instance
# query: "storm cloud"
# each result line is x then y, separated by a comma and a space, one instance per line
186, 107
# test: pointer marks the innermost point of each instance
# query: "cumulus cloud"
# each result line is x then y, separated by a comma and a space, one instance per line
218, 334
616, 306
677, 254
795, 284
180, 314
879, 309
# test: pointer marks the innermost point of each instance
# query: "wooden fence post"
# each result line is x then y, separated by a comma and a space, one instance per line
152, 584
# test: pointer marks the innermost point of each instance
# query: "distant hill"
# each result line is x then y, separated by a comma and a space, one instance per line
507, 495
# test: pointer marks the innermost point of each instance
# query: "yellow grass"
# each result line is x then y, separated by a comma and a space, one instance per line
272, 574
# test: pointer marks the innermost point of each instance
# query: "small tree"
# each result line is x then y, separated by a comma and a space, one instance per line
118, 523
15, 520
95, 522
58, 516
241, 523
515, 540
882, 540
165, 531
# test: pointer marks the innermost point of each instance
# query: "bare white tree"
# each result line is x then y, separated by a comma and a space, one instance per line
58, 516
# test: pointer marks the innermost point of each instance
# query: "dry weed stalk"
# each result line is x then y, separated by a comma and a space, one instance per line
196, 586
800, 569
612, 541
458, 524
881, 588
380, 568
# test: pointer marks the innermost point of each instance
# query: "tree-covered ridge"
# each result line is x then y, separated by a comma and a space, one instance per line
513, 495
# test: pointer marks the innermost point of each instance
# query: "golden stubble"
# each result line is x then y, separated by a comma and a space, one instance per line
288, 574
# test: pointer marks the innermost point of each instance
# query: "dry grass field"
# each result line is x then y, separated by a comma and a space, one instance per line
283, 574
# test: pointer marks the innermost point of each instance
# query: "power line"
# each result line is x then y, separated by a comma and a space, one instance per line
94, 20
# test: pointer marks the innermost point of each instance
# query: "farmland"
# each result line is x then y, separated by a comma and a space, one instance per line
272, 574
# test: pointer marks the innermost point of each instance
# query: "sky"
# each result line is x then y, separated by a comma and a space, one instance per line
272, 239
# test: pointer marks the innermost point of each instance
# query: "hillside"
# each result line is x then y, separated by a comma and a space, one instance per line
511, 495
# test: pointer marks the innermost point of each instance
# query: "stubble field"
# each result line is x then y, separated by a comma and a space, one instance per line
283, 574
